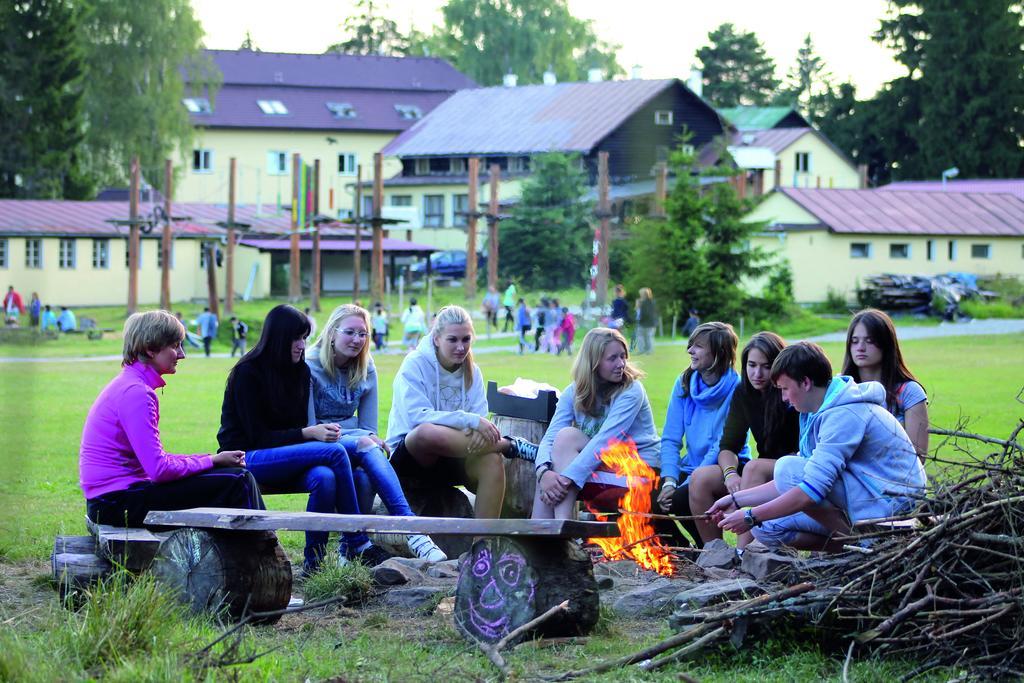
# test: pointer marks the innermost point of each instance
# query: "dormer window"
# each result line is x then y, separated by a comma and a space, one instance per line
409, 112
341, 110
272, 107
197, 105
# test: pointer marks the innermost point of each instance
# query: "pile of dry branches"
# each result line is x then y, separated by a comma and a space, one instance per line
950, 590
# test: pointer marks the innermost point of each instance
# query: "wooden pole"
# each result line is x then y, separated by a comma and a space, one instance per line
604, 209
294, 283
492, 228
165, 240
229, 260
314, 287
471, 205
377, 278
211, 278
357, 253
133, 239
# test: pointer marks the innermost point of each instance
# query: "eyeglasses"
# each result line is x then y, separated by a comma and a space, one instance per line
358, 334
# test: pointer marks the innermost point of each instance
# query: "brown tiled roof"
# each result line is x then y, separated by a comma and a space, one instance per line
912, 213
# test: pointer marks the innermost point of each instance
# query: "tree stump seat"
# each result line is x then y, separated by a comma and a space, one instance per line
515, 570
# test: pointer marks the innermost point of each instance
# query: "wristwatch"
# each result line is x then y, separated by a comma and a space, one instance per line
749, 518
541, 469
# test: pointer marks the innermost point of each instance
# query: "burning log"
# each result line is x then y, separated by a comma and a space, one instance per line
639, 541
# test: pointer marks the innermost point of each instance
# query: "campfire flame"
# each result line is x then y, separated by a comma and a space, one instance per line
638, 540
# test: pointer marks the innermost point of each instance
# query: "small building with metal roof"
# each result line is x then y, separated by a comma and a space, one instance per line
832, 239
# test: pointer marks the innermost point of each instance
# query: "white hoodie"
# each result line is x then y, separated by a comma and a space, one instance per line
424, 392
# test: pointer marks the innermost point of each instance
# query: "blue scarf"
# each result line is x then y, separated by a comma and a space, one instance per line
708, 398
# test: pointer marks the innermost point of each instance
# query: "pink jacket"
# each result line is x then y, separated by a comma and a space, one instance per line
121, 438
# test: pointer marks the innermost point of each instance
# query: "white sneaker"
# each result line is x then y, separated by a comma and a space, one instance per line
424, 548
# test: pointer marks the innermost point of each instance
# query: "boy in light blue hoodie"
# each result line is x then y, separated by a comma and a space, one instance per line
855, 462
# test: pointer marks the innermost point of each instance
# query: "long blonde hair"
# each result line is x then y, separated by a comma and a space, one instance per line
356, 368
591, 392
455, 315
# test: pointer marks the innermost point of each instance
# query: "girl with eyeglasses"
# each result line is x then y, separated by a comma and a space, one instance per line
344, 393
266, 414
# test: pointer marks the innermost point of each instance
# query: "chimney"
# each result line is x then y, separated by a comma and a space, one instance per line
778, 173
549, 77
510, 80
595, 75
696, 81
862, 172
636, 73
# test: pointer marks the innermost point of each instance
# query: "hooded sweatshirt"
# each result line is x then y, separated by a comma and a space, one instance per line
424, 392
627, 416
853, 436
697, 414
353, 409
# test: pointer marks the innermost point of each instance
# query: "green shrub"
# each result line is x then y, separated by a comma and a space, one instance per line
835, 302
352, 580
975, 308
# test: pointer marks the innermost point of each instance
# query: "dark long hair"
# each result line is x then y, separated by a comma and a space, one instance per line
271, 357
771, 345
883, 334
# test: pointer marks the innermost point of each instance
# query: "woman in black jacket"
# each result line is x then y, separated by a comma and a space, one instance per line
266, 414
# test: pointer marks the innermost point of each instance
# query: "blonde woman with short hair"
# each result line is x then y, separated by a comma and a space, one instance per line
124, 470
344, 392
604, 402
438, 431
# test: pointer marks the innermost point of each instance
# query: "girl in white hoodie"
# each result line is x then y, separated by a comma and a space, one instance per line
438, 431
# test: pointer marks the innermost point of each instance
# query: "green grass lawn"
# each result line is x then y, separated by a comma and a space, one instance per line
44, 405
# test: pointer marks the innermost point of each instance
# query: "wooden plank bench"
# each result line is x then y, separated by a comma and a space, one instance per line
516, 570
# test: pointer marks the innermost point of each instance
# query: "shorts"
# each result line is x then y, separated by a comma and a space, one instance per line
445, 472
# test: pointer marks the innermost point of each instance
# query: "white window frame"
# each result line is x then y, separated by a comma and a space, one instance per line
341, 110
854, 250
401, 200
984, 245
896, 247
518, 164
277, 162
930, 250
272, 107
409, 112
438, 216
205, 159
460, 221
951, 249
806, 159
663, 117
197, 105
347, 163
457, 166
66, 253
5, 250
126, 264
421, 167
101, 253
34, 253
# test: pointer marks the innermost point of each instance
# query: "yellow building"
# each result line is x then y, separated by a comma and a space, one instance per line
833, 239
779, 148
338, 109
76, 253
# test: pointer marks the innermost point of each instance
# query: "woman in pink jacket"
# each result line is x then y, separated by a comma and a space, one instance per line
123, 468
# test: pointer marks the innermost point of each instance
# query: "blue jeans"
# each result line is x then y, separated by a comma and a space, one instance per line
371, 468
321, 469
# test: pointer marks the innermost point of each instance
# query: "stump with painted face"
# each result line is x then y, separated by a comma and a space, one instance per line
505, 582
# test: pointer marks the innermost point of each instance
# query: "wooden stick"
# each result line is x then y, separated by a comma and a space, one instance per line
653, 665
493, 652
976, 437
651, 515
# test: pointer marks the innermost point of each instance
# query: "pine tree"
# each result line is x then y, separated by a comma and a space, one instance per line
371, 33
547, 241
41, 118
736, 69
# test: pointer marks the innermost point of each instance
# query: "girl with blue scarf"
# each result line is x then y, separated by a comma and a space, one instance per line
696, 411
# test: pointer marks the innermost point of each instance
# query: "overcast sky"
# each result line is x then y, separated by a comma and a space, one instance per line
659, 35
